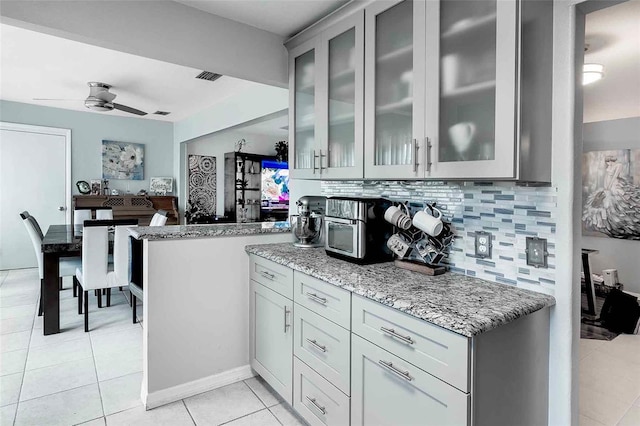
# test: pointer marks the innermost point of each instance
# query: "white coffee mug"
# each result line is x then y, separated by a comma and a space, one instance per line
461, 135
425, 222
397, 217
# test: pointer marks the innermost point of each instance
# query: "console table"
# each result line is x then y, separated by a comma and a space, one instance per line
141, 207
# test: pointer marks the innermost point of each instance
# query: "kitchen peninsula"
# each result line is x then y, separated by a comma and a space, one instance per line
196, 317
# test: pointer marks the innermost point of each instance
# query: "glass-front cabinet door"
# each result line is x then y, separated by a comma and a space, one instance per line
304, 104
394, 87
471, 88
341, 89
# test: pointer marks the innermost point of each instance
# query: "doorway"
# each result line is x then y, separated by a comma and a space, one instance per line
35, 175
609, 366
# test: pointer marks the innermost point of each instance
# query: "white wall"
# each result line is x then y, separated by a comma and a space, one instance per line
220, 143
163, 30
622, 255
88, 129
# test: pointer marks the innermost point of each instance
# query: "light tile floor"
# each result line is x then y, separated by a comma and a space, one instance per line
610, 381
94, 378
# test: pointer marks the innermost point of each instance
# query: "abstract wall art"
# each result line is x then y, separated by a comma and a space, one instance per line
202, 184
122, 160
611, 194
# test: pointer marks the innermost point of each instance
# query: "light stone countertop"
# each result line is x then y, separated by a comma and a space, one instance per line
153, 233
465, 305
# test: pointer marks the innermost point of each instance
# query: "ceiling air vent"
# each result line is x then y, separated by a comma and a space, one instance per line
162, 113
208, 75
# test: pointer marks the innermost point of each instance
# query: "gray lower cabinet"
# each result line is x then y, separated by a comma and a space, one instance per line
317, 400
386, 390
272, 338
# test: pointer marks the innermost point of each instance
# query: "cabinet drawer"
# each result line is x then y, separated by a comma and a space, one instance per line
435, 350
386, 390
315, 399
323, 298
322, 345
276, 277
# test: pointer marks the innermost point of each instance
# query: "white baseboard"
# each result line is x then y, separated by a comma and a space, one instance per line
185, 390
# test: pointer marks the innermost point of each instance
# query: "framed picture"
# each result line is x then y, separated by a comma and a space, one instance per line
122, 160
96, 186
161, 185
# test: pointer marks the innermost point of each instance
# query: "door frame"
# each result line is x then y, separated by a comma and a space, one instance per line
55, 131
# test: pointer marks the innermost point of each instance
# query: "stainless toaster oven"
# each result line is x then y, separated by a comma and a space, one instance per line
355, 229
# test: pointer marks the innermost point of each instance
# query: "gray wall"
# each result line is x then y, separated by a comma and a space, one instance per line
220, 143
623, 255
88, 129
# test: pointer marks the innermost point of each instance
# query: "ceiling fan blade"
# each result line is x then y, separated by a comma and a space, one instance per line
128, 109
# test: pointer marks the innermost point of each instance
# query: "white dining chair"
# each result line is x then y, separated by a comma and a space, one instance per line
104, 214
80, 215
67, 266
120, 276
159, 218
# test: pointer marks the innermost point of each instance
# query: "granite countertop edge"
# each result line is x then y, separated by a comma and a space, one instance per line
465, 324
172, 232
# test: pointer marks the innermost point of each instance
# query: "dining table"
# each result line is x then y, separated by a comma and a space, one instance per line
59, 241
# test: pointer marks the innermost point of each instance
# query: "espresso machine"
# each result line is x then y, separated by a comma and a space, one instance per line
307, 225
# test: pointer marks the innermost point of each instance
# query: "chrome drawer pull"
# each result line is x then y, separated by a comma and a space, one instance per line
267, 275
317, 346
286, 312
389, 366
316, 298
316, 405
391, 332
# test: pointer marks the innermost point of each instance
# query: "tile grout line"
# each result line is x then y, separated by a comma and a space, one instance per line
24, 369
246, 415
253, 392
95, 369
274, 414
188, 412
263, 403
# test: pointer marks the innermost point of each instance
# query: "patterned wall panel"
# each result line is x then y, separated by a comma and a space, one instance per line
202, 183
511, 213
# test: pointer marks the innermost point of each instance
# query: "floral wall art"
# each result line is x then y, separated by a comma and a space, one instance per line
611, 193
122, 160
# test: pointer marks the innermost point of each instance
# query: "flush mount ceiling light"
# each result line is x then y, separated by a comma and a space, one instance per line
592, 73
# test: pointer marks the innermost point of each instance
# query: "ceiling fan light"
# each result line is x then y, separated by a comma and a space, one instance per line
95, 104
592, 73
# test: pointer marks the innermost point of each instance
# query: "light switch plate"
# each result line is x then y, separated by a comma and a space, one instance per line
483, 244
537, 252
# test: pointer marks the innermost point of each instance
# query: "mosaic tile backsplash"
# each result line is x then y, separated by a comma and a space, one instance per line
510, 213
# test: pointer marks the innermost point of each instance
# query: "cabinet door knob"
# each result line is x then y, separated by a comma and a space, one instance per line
61, 208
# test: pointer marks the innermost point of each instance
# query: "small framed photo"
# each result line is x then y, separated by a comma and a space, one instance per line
96, 186
161, 185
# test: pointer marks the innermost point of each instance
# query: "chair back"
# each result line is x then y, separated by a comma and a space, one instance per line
159, 218
95, 254
36, 239
121, 254
81, 215
26, 214
104, 214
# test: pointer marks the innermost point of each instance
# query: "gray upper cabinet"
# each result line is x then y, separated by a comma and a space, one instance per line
327, 94
394, 95
453, 89
471, 92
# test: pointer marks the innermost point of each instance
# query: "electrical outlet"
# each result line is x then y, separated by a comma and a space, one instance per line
537, 252
483, 244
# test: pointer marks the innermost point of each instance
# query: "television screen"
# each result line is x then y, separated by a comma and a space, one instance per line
275, 184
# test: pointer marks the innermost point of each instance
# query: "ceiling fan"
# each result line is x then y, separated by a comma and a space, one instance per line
100, 99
